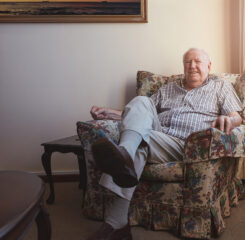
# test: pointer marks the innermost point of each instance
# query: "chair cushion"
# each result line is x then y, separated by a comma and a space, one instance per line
166, 172
148, 83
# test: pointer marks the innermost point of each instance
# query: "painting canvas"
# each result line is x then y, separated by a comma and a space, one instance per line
73, 11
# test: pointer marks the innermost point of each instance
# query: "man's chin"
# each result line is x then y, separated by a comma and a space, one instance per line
193, 79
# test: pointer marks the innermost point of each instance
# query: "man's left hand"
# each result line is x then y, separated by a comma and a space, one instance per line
227, 123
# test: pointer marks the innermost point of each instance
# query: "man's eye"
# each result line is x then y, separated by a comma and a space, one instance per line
196, 61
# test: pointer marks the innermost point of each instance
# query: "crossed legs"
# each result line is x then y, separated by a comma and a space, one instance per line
139, 125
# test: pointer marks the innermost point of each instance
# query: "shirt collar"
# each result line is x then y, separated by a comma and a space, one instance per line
181, 82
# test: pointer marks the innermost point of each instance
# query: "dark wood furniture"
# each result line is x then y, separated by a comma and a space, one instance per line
22, 202
64, 145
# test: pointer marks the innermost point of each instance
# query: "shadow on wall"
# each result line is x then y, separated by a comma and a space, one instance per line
130, 91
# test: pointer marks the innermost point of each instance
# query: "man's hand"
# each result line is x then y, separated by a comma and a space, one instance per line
227, 123
100, 113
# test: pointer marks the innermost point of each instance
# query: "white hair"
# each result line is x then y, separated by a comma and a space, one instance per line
197, 49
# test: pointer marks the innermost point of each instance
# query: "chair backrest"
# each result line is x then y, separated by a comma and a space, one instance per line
148, 83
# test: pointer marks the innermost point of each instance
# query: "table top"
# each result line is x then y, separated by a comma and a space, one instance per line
20, 192
68, 141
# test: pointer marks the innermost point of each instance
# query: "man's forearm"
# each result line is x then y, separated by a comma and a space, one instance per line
114, 114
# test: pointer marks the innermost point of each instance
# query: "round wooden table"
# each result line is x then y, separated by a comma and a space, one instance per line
22, 202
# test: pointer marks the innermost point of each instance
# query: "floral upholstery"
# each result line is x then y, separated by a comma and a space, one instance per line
192, 197
90, 131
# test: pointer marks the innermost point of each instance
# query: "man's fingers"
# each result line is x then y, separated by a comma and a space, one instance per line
100, 111
227, 125
213, 125
101, 117
224, 123
221, 123
93, 109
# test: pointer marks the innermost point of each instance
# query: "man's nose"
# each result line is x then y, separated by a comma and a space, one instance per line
193, 64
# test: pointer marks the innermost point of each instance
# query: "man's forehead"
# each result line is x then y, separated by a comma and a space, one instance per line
195, 55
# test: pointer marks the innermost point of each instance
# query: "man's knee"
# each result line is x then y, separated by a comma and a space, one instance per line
143, 100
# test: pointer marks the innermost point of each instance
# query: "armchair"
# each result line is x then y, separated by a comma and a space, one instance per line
192, 197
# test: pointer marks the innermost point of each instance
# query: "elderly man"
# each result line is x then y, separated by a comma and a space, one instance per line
154, 129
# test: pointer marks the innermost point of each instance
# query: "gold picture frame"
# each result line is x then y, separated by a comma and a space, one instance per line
73, 11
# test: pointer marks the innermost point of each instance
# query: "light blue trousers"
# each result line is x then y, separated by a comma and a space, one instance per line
140, 115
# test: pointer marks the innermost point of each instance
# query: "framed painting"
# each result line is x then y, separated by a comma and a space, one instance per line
93, 11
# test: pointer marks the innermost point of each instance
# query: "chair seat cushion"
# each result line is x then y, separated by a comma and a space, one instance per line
167, 172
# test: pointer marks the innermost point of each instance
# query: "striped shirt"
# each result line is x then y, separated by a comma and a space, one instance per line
183, 112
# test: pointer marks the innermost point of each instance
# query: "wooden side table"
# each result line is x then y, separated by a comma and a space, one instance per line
22, 202
65, 145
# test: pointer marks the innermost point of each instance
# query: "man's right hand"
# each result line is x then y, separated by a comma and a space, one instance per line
100, 113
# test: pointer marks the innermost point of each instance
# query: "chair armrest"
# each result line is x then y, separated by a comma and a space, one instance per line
88, 132
210, 184
210, 188
213, 144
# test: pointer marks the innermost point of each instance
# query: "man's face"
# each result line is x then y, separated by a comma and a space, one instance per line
196, 68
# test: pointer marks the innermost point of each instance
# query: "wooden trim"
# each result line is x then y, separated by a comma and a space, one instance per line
61, 177
141, 18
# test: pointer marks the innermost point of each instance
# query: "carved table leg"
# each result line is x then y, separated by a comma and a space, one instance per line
43, 224
46, 158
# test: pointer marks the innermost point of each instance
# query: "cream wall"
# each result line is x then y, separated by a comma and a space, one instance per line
51, 74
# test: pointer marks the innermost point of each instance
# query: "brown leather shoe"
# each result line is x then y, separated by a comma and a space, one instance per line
115, 161
106, 232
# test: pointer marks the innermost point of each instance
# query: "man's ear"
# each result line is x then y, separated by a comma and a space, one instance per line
209, 66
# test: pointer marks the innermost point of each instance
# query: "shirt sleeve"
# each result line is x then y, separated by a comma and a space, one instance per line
229, 101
